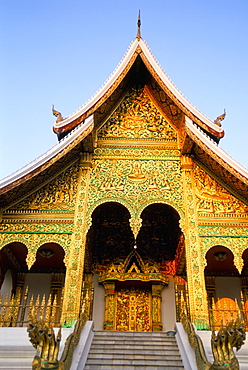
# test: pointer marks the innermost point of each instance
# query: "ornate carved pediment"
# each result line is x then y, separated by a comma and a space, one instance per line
137, 117
213, 198
58, 194
133, 269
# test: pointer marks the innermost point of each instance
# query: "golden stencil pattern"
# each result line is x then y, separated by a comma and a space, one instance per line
213, 198
59, 194
137, 117
42, 227
133, 310
195, 268
135, 182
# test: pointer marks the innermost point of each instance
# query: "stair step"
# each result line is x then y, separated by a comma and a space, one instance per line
16, 357
138, 361
18, 367
164, 351
131, 356
133, 339
132, 350
116, 334
16, 362
133, 367
136, 344
17, 354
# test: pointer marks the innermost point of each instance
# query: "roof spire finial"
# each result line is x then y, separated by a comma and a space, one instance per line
139, 24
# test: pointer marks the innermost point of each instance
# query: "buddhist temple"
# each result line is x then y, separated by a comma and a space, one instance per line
135, 215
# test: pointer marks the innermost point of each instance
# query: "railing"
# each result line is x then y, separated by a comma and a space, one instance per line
226, 310
220, 313
181, 296
15, 311
18, 310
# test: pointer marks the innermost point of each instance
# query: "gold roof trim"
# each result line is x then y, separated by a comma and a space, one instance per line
133, 269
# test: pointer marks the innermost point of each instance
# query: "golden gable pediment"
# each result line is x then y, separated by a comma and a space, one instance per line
137, 117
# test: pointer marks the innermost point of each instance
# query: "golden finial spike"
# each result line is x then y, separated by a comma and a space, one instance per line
139, 24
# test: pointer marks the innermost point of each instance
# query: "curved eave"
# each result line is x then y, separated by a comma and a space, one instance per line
48, 158
229, 164
137, 47
203, 120
75, 118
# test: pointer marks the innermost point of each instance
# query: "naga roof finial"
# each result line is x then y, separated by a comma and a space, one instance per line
57, 114
139, 24
220, 118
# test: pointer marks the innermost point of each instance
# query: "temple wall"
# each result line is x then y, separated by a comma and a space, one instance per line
38, 284
98, 304
7, 286
228, 287
137, 161
168, 306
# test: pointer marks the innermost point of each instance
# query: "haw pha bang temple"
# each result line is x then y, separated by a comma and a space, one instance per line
133, 227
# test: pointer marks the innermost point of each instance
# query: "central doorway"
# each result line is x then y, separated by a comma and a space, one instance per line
133, 309
132, 272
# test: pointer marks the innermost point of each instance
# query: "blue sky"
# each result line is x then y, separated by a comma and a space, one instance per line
61, 52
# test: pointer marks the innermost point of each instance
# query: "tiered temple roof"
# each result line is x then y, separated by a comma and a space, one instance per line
199, 135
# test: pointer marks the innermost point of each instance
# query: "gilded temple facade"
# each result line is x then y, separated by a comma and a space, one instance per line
135, 210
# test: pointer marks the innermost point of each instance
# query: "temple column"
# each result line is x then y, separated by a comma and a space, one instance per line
57, 281
109, 315
87, 295
23, 298
74, 273
194, 260
156, 307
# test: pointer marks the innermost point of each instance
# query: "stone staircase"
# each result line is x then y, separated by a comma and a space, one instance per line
133, 350
16, 351
16, 357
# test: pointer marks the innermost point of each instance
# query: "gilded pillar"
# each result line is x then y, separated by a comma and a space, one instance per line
156, 307
244, 288
87, 296
210, 287
109, 315
19, 285
194, 260
57, 282
74, 273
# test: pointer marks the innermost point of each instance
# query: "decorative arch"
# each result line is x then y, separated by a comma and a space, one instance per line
160, 232
13, 259
49, 256
110, 234
179, 210
245, 259
62, 239
111, 199
236, 245
220, 259
19, 250
25, 239
34, 241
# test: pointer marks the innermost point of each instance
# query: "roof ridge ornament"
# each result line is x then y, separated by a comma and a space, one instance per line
220, 118
57, 114
139, 24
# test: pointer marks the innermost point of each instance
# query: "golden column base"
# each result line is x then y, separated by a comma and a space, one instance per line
109, 306
156, 307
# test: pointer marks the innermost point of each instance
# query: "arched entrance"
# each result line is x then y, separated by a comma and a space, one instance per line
130, 275
223, 285
36, 290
